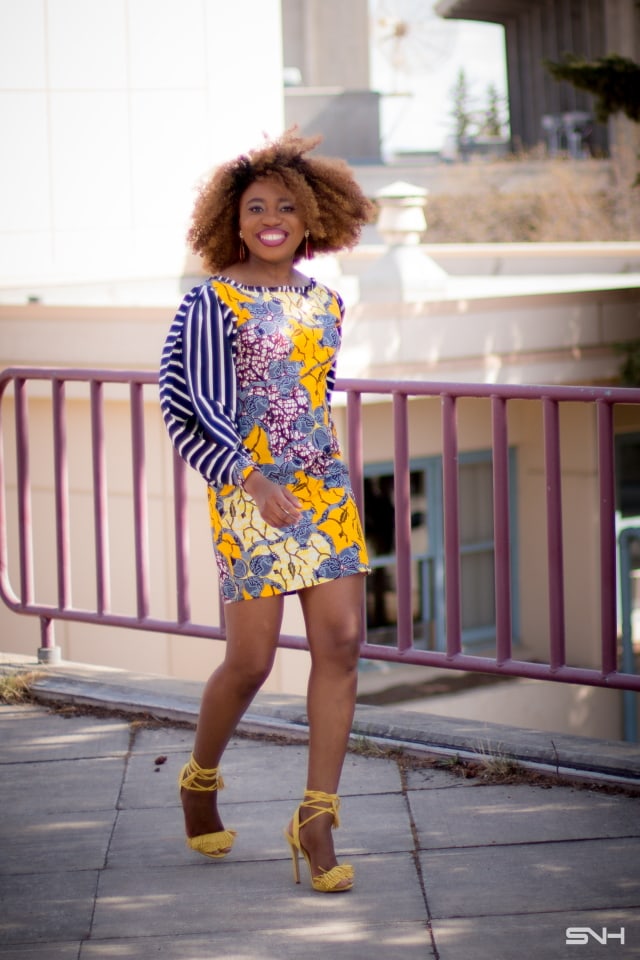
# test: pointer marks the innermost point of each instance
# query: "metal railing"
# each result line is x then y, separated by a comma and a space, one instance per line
22, 598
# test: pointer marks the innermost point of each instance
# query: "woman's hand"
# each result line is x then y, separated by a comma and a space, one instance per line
277, 505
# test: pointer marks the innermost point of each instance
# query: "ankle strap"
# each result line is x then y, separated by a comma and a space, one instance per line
195, 777
322, 803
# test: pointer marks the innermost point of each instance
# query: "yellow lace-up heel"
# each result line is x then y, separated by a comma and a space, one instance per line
340, 878
197, 778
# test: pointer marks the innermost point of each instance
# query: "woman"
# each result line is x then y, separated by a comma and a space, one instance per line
246, 378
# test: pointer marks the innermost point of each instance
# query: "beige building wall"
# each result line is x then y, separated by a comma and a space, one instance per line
82, 336
111, 111
326, 55
579, 499
192, 658
138, 650
328, 42
525, 337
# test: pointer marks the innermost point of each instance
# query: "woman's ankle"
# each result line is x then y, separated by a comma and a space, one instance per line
200, 812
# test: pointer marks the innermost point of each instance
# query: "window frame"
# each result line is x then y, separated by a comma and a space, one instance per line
431, 563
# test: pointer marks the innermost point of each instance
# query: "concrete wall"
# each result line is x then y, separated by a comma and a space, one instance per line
110, 112
189, 658
535, 704
580, 507
521, 333
547, 706
347, 120
327, 41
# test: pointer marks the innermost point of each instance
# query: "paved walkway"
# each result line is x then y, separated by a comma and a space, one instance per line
94, 863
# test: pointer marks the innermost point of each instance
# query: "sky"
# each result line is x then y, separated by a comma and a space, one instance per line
417, 72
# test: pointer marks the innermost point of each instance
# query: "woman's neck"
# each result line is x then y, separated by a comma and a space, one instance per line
266, 275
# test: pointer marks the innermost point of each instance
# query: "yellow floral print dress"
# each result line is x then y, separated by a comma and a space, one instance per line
287, 340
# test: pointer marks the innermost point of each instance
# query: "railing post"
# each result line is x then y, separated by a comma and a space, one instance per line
48, 651
356, 475
24, 491
554, 533
502, 547
451, 525
100, 500
61, 482
402, 500
141, 532
608, 618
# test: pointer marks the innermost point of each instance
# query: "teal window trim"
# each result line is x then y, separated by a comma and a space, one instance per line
430, 563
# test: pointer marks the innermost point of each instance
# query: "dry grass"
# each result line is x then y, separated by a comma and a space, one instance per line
16, 687
562, 201
500, 769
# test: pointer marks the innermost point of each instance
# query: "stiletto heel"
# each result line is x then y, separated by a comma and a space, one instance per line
196, 778
294, 858
340, 878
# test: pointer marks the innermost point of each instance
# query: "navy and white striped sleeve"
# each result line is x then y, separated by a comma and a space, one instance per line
198, 388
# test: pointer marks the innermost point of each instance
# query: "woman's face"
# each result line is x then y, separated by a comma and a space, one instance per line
269, 222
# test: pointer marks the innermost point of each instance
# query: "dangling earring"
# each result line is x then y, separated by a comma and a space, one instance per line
243, 250
307, 249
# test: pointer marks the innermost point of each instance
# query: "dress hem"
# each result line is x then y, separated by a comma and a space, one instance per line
291, 593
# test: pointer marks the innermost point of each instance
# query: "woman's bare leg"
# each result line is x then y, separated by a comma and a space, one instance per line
333, 618
253, 628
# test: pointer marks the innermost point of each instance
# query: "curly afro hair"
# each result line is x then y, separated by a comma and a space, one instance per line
330, 202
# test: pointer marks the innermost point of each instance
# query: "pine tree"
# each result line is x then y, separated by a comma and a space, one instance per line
461, 112
492, 121
613, 80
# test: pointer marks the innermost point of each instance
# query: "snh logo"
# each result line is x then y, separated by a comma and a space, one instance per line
580, 936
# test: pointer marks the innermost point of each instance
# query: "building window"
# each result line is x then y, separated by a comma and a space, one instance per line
628, 474
427, 551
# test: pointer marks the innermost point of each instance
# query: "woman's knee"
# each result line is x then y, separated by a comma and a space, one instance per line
333, 618
246, 676
336, 640
252, 638
347, 646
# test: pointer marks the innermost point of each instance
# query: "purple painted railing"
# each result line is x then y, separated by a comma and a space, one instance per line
23, 600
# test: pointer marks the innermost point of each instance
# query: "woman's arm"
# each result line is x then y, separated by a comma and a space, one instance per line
198, 389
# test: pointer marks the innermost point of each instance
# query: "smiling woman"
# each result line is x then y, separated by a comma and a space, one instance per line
245, 387
327, 197
271, 228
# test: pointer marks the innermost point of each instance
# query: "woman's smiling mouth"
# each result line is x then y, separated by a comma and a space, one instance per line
272, 238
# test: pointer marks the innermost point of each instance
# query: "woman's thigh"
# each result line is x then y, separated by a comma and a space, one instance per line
252, 630
333, 614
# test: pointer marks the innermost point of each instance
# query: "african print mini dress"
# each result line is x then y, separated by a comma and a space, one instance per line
246, 383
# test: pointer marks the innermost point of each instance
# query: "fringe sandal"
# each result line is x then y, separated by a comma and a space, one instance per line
197, 778
340, 878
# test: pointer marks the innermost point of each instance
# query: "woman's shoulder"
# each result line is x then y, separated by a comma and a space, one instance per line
329, 294
196, 292
202, 303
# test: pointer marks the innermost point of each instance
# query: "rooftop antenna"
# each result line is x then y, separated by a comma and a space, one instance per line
410, 37
408, 42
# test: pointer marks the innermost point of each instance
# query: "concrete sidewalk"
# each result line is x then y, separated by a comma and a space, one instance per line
94, 863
